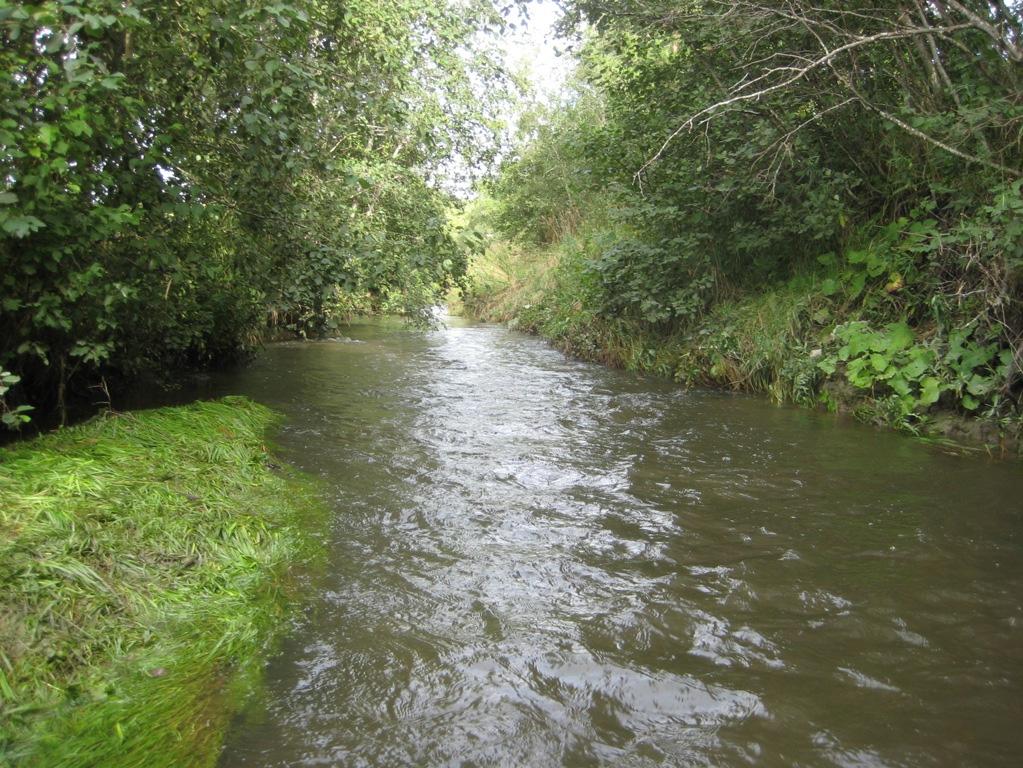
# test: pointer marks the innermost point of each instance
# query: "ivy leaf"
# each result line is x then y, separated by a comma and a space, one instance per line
47, 133
79, 127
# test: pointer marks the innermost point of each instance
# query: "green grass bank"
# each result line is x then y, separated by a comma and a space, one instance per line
143, 572
809, 340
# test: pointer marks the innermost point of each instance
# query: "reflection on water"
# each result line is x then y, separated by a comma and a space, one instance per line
539, 562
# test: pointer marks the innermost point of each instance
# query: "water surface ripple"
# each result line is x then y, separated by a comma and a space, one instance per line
540, 562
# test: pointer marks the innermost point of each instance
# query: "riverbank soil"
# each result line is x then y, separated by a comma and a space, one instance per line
142, 558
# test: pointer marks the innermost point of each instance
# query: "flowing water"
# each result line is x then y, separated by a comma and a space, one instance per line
541, 562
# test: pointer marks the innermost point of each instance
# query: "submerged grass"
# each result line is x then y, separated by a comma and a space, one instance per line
141, 565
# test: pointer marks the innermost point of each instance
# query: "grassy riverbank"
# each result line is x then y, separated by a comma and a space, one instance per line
799, 341
141, 565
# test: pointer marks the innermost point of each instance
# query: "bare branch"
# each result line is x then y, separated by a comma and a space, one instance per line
1013, 172
1011, 49
780, 145
799, 73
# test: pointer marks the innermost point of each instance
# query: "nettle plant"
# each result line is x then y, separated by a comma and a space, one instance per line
917, 374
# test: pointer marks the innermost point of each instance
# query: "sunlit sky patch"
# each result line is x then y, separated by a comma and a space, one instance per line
531, 49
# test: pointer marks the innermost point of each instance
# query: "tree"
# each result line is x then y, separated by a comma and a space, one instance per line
176, 175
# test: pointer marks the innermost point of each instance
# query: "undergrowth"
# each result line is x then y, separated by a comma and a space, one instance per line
844, 334
141, 565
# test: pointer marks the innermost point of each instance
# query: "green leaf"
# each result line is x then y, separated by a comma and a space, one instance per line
47, 133
930, 390
979, 385
79, 128
857, 373
878, 342
899, 336
1004, 362
976, 356
859, 343
899, 385
8, 198
913, 370
857, 285
22, 226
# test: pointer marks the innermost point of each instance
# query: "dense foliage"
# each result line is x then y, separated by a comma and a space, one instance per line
175, 176
870, 154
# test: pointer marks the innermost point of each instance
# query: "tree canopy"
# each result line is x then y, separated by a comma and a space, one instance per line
712, 148
177, 176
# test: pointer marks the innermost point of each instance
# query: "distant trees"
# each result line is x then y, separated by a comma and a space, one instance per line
173, 174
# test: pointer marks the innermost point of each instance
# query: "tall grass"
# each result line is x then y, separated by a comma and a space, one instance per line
759, 342
141, 564
504, 280
768, 338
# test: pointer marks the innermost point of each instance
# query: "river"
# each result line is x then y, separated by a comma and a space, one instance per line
538, 562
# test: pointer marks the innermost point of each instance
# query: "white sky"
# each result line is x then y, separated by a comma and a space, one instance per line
530, 49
